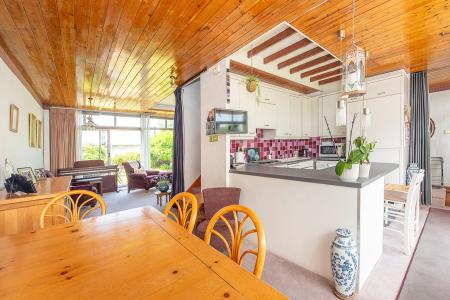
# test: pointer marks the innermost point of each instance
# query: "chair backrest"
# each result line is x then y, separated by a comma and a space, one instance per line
238, 234
217, 198
414, 191
72, 206
186, 207
128, 166
89, 163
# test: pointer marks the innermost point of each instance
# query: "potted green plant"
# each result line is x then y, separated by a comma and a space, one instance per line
163, 185
252, 83
348, 169
366, 148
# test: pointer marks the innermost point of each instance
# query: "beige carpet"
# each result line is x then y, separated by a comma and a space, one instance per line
294, 281
429, 274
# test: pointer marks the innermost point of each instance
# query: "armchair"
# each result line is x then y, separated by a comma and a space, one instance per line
143, 181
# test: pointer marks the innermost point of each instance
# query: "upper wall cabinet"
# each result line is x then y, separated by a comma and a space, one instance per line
310, 117
241, 99
328, 109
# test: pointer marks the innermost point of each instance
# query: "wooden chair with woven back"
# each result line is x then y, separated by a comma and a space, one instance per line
183, 209
238, 231
72, 206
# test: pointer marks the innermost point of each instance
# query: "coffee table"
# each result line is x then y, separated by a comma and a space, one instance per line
160, 195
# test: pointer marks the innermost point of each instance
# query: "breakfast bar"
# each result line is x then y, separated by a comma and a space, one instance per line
301, 210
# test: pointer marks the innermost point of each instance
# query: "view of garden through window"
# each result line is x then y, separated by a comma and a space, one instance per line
117, 141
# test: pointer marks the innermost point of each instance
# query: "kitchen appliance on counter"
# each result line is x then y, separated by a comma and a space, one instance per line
253, 154
239, 157
327, 149
305, 152
223, 121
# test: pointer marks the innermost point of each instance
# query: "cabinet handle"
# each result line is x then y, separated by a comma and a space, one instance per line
381, 93
266, 125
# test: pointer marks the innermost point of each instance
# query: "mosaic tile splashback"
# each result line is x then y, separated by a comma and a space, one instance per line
280, 148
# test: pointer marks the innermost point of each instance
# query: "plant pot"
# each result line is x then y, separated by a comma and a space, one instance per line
350, 174
251, 86
364, 170
344, 264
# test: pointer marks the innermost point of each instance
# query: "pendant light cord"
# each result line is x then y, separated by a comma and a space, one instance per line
353, 20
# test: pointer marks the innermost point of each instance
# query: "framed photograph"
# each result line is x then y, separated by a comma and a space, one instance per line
40, 174
28, 173
32, 130
13, 118
39, 134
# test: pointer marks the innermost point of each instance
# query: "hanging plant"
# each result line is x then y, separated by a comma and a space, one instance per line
252, 83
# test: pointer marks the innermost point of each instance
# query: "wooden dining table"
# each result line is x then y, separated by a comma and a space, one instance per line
132, 254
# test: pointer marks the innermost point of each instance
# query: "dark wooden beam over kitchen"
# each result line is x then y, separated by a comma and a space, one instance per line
272, 41
300, 57
287, 50
326, 75
331, 79
245, 70
321, 69
311, 63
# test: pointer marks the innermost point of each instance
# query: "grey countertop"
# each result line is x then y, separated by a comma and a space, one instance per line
324, 176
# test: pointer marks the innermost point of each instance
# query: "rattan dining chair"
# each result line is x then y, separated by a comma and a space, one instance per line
238, 233
72, 206
183, 208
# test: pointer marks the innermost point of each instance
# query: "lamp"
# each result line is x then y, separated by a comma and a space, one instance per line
354, 79
341, 112
89, 123
366, 118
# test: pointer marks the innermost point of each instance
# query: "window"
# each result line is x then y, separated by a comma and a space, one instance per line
123, 121
161, 148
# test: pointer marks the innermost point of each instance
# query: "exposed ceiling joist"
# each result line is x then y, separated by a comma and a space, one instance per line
245, 70
300, 57
270, 42
326, 75
285, 51
321, 69
311, 63
329, 80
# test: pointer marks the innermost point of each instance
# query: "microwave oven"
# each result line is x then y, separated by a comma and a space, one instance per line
330, 150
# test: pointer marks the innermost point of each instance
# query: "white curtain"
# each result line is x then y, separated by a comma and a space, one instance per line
79, 148
145, 142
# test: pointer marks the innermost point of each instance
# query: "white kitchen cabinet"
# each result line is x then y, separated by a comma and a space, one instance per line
352, 109
310, 117
241, 99
389, 156
295, 116
282, 100
386, 121
329, 111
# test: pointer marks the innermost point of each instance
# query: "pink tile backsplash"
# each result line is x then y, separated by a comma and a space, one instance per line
278, 148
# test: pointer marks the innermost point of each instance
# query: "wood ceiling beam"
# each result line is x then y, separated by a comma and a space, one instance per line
245, 70
438, 87
325, 75
311, 63
329, 80
270, 42
287, 50
321, 69
300, 57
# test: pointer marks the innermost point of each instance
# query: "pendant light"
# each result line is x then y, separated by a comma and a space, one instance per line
341, 104
89, 123
354, 79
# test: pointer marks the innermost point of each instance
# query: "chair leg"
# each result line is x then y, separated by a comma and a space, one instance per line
416, 219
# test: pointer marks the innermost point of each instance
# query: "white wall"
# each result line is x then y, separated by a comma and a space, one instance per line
14, 146
191, 119
440, 142
213, 91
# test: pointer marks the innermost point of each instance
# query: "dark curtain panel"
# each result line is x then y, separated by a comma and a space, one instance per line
419, 147
178, 146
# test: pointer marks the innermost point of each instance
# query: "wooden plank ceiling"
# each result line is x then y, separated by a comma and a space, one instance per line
123, 51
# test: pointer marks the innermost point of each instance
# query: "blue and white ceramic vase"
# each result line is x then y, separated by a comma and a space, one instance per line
410, 171
344, 264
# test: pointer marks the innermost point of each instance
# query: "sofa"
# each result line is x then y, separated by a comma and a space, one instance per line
144, 180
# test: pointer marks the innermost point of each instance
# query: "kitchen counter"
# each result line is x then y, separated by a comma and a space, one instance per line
325, 176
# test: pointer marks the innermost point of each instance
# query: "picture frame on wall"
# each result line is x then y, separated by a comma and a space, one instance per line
39, 134
13, 118
28, 173
32, 130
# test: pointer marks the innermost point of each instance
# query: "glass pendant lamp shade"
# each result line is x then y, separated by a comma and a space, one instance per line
366, 118
354, 71
341, 113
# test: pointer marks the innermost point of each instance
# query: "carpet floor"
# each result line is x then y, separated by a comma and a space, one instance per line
428, 277
297, 282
